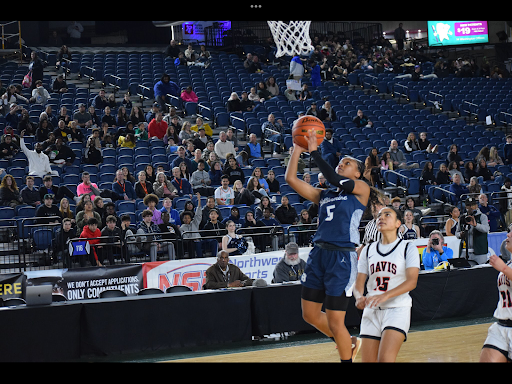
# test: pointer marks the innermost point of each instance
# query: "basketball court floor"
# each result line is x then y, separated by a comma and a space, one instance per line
447, 341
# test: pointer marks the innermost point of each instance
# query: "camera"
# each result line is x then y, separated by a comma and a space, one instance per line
435, 241
467, 219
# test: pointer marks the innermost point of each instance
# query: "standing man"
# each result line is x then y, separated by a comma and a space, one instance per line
75, 30
399, 35
474, 227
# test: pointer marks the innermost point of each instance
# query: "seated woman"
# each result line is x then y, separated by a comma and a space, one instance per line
9, 193
242, 195
483, 171
257, 190
143, 187
443, 176
66, 212
201, 124
88, 212
306, 230
231, 242
162, 187
264, 203
127, 141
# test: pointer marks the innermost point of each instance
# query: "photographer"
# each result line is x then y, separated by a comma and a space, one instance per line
435, 252
473, 228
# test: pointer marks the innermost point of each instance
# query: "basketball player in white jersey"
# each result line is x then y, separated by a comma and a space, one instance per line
390, 268
498, 345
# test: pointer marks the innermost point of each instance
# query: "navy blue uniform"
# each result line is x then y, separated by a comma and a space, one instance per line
332, 263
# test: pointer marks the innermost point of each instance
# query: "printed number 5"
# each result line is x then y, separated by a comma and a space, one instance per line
330, 214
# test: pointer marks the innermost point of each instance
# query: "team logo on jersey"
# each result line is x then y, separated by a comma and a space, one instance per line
303, 277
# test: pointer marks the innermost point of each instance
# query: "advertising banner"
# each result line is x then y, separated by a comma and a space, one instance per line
88, 283
446, 33
12, 285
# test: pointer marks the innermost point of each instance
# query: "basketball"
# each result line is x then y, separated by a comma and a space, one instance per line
301, 128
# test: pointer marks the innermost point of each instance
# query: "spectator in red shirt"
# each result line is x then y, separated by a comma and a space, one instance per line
91, 231
157, 127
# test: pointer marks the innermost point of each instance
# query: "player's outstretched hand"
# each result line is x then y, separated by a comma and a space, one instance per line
312, 141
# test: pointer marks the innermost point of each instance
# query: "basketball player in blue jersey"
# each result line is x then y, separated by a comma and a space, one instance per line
332, 264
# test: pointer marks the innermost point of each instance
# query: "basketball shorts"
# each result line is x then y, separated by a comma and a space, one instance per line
376, 320
332, 271
499, 337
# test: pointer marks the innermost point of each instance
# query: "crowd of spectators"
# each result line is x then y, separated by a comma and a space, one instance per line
203, 164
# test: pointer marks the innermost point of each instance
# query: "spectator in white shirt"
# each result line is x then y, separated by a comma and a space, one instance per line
224, 195
38, 162
223, 146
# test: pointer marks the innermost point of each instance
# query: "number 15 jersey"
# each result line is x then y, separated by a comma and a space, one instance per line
339, 215
385, 266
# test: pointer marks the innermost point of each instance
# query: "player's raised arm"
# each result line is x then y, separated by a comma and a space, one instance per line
304, 189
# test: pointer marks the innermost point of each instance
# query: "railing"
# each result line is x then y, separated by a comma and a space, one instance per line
399, 177
89, 73
371, 84
6, 36
427, 222
434, 198
405, 94
438, 100
209, 116
472, 108
507, 120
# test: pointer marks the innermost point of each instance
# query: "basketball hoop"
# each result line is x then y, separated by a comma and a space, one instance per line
292, 38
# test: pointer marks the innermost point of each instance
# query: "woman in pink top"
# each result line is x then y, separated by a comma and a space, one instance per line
189, 95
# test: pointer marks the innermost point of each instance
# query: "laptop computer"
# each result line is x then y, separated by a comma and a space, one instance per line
38, 294
459, 262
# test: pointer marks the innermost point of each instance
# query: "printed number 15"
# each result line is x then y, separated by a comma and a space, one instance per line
382, 284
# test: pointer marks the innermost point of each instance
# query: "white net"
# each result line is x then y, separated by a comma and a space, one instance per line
292, 38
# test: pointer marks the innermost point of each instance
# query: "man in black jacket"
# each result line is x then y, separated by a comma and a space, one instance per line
30, 194
114, 234
61, 245
59, 153
57, 192
48, 209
